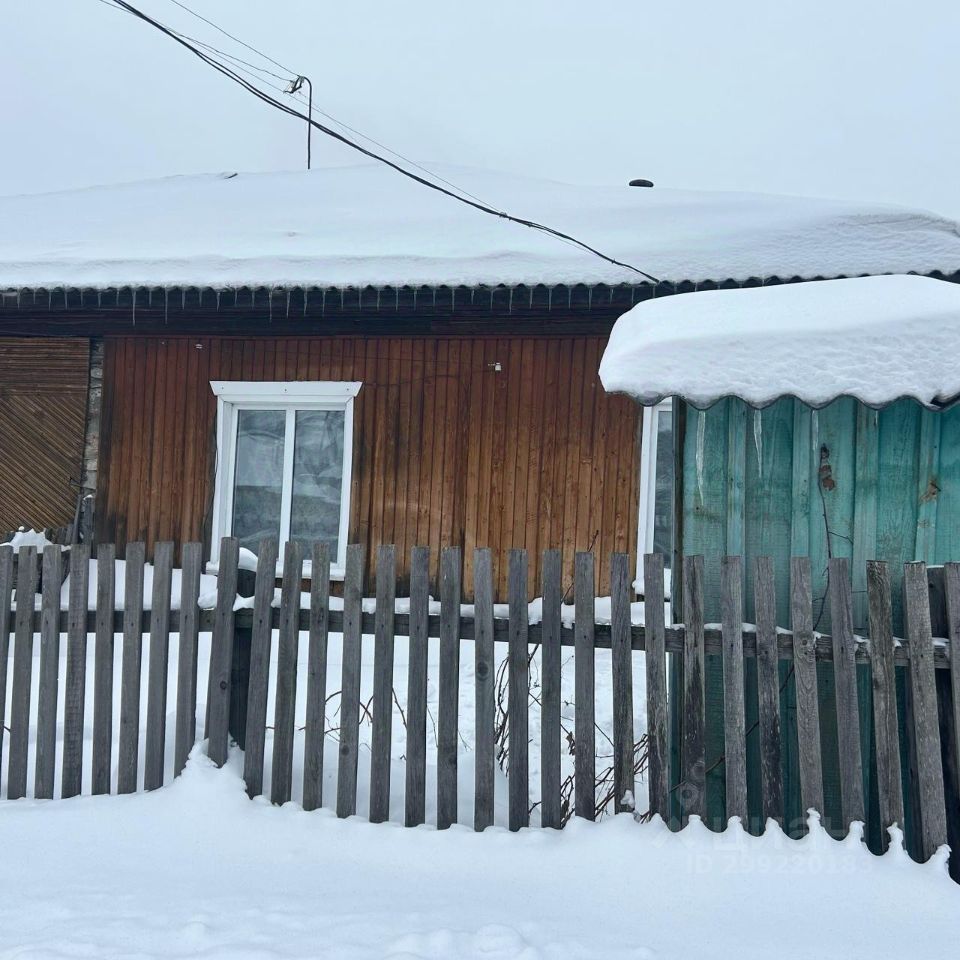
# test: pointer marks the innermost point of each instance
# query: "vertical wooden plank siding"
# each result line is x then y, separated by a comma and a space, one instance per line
261, 639
449, 681
382, 733
933, 824
550, 815
768, 686
735, 737
621, 659
49, 675
281, 771
416, 772
486, 457
484, 672
102, 758
76, 678
889, 787
129, 746
658, 762
693, 792
316, 719
848, 714
519, 694
350, 683
22, 673
584, 689
157, 675
186, 729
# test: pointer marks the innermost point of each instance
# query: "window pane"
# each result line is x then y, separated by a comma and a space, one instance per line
663, 495
317, 477
258, 480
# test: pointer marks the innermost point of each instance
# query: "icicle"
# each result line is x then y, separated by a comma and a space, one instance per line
701, 427
815, 433
758, 441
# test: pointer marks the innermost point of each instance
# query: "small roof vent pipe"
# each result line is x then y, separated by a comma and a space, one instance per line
641, 183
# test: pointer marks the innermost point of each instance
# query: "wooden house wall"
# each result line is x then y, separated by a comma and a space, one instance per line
843, 481
43, 406
448, 449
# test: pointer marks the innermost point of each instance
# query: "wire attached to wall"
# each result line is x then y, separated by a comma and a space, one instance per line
233, 75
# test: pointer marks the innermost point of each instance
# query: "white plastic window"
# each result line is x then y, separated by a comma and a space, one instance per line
284, 458
655, 529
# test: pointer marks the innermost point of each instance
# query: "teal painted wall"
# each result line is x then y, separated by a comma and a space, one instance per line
843, 481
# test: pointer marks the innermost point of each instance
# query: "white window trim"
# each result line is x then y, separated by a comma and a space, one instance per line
234, 395
648, 485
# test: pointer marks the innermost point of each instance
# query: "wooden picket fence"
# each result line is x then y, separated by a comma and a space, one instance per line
676, 718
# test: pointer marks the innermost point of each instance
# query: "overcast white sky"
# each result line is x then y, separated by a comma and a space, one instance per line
841, 98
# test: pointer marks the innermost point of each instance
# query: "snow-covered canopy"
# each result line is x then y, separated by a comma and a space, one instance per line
874, 338
361, 225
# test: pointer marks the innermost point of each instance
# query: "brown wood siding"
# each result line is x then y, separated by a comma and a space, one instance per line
43, 407
447, 450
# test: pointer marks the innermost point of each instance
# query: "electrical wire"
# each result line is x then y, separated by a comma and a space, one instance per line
285, 108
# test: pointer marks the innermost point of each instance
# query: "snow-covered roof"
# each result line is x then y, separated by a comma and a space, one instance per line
366, 225
874, 338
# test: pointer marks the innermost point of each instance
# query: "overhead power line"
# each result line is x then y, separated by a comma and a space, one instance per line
235, 76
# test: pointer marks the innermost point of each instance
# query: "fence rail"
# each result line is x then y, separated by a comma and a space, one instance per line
680, 722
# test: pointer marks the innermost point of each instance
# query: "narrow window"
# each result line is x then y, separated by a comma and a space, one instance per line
655, 531
284, 458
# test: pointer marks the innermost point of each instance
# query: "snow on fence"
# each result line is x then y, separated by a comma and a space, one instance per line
244, 678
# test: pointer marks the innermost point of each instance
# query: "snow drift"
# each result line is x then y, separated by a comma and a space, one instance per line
874, 338
367, 225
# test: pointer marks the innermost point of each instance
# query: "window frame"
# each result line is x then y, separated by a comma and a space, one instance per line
648, 486
236, 395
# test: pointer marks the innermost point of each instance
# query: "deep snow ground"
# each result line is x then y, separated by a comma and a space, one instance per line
198, 870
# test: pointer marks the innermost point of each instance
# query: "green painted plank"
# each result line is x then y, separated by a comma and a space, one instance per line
928, 487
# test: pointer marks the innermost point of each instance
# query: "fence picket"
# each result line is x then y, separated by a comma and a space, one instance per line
221, 653
128, 750
621, 661
350, 684
102, 756
768, 688
383, 685
805, 677
518, 705
316, 720
76, 678
186, 728
284, 715
550, 669
951, 575
693, 763
416, 773
449, 681
848, 713
6, 592
22, 673
658, 757
484, 678
261, 639
585, 775
933, 825
734, 715
48, 680
889, 788
155, 748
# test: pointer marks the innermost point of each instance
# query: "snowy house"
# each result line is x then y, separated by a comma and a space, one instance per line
816, 420
345, 355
